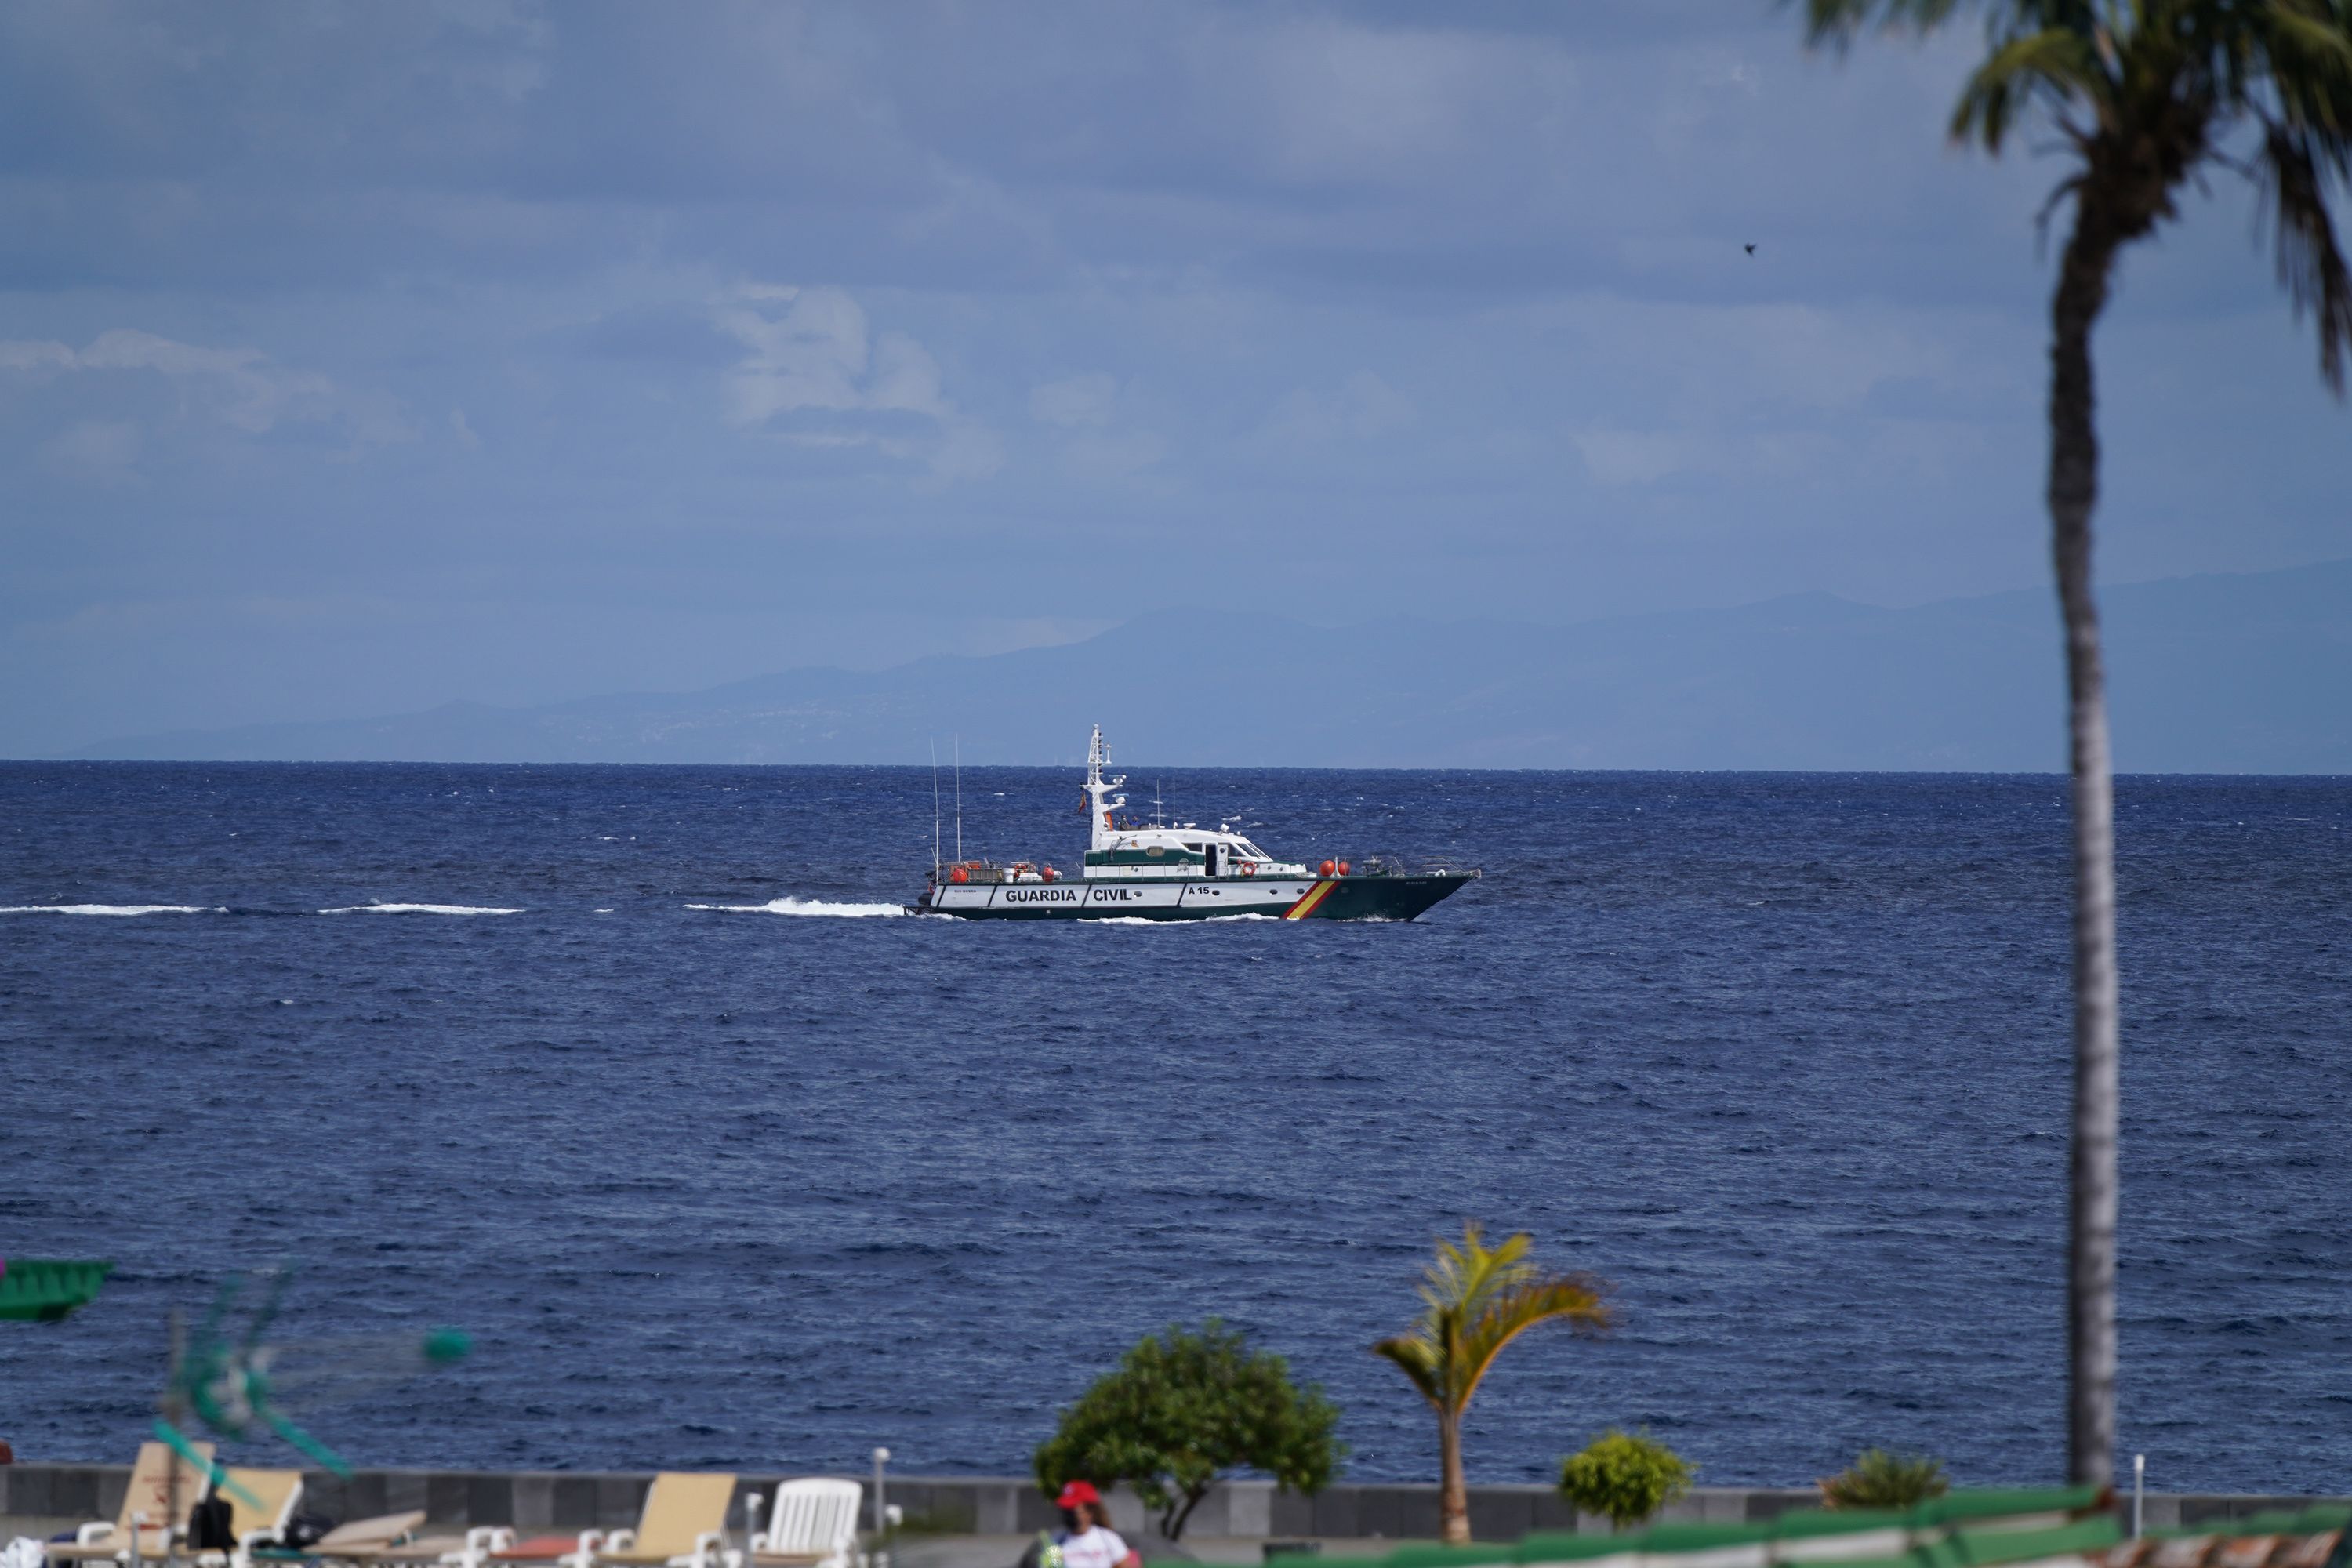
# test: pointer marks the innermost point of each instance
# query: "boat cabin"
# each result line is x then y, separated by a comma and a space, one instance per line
1153, 850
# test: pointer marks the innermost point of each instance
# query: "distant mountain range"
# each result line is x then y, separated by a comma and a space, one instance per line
2210, 674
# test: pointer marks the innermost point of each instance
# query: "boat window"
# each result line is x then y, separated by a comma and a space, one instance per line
1251, 850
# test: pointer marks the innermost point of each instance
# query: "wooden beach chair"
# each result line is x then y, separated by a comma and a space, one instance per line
682, 1525
149, 1499
410, 1550
386, 1538
813, 1524
369, 1536
260, 1522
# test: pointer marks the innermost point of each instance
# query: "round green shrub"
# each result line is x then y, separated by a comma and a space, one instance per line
1624, 1477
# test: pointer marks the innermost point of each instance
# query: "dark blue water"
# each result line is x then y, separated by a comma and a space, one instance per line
1782, 1057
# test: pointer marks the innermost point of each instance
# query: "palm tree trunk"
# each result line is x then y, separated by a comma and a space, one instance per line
2074, 492
1454, 1489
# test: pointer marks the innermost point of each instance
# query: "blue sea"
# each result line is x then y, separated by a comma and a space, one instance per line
637, 1075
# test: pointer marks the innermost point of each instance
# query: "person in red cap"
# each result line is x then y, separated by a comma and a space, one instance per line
1087, 1539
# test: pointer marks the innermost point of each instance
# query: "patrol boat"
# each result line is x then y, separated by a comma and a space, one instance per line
1177, 872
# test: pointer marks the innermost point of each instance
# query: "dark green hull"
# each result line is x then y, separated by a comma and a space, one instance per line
1358, 897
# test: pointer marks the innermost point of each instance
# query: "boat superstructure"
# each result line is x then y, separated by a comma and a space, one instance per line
1173, 871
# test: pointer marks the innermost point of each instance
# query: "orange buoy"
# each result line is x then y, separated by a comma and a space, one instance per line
1327, 867
958, 875
1343, 868
1049, 873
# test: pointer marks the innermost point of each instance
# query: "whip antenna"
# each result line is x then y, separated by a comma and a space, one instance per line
935, 808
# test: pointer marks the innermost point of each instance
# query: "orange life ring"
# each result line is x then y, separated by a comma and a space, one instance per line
1249, 868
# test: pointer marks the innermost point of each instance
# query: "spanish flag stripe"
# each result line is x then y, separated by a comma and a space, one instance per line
1306, 905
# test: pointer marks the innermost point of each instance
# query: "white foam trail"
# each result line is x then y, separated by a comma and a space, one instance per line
112, 909
1147, 921
418, 910
807, 907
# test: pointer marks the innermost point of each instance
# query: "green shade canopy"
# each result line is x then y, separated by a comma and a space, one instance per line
43, 1289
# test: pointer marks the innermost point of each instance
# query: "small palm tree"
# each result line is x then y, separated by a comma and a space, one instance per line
2145, 94
1478, 1300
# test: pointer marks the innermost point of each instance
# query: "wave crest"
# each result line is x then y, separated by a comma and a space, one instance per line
789, 906
419, 910
112, 909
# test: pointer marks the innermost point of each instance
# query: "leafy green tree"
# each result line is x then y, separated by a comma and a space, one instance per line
1624, 1477
1183, 1409
1878, 1478
1476, 1300
2145, 95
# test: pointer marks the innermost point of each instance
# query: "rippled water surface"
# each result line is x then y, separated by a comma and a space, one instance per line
630, 1072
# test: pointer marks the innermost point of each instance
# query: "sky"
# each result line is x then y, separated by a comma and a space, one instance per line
356, 359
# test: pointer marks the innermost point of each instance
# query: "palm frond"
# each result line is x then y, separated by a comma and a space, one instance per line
1476, 1299
2307, 46
1465, 1277
1419, 1360
1575, 1299
2310, 265
2061, 63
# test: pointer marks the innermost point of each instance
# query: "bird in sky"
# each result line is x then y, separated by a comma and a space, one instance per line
1751, 250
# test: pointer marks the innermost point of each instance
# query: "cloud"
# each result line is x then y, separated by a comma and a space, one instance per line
1637, 456
242, 387
812, 371
1075, 402
104, 450
1361, 407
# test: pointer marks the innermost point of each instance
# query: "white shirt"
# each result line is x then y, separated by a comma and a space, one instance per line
1097, 1548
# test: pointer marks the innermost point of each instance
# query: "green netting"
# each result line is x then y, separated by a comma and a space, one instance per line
1565, 1546
2317, 1519
1962, 1530
42, 1291
1798, 1524
1445, 1556
1956, 1508
1677, 1537
1982, 1547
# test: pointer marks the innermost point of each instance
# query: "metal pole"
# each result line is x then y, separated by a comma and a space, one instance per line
2139, 1490
881, 1516
171, 1402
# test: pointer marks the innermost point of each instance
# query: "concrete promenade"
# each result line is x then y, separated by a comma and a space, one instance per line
963, 1519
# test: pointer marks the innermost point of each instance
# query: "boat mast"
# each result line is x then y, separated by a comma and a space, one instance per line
935, 808
959, 771
1100, 801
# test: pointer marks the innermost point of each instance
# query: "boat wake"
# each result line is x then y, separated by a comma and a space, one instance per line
419, 910
112, 909
807, 907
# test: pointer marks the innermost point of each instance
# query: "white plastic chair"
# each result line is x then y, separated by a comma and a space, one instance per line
813, 1524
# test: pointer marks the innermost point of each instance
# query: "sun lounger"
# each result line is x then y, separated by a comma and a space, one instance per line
682, 1525
410, 1549
258, 1521
813, 1525
382, 1539
382, 1533
149, 1502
